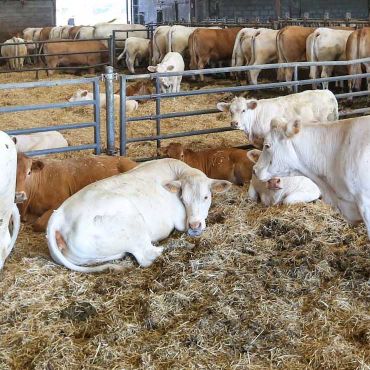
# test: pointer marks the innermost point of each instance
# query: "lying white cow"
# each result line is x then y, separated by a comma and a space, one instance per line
80, 95
39, 141
136, 48
335, 156
19, 49
254, 117
8, 209
284, 190
172, 62
159, 46
121, 214
326, 44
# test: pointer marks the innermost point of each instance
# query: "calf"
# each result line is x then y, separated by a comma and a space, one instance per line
136, 48
81, 95
43, 185
172, 62
120, 215
254, 117
39, 141
16, 53
224, 164
284, 190
335, 156
8, 210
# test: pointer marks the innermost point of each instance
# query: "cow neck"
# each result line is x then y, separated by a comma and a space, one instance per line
255, 121
327, 138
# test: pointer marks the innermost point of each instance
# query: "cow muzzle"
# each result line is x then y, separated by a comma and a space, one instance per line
234, 124
274, 184
195, 229
20, 197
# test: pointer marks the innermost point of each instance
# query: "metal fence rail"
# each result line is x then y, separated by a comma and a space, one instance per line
95, 123
158, 116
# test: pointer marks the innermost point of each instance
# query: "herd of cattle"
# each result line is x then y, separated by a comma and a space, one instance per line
199, 47
97, 209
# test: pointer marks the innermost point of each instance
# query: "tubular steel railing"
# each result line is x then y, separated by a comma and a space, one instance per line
158, 116
96, 117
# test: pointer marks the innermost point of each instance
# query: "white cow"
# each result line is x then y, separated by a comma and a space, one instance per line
178, 38
65, 32
106, 30
326, 44
242, 47
8, 209
159, 46
172, 62
80, 95
31, 34
281, 190
56, 33
39, 141
122, 214
263, 51
85, 33
11, 51
335, 156
135, 49
254, 117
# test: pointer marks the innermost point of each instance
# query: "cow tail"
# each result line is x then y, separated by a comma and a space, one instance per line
52, 233
154, 44
280, 54
253, 48
313, 54
77, 35
169, 44
236, 48
16, 226
192, 51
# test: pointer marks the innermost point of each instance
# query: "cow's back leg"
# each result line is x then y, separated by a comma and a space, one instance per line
41, 223
130, 62
144, 251
253, 76
327, 71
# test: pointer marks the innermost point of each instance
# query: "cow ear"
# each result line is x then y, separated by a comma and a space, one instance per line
253, 155
220, 186
252, 104
278, 123
37, 165
292, 128
14, 138
223, 107
84, 93
173, 186
152, 68
170, 68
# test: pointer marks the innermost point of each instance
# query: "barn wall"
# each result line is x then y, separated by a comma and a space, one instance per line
15, 17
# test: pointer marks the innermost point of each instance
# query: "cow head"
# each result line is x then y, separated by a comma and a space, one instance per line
196, 195
242, 111
25, 167
166, 82
278, 157
79, 95
173, 150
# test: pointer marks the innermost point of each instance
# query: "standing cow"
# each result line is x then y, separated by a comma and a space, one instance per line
172, 62
136, 49
160, 43
211, 45
335, 156
254, 116
120, 215
16, 53
8, 210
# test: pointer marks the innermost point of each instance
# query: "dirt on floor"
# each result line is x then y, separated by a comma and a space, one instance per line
281, 287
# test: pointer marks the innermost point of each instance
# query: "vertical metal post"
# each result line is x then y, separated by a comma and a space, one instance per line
111, 48
96, 92
109, 92
122, 115
158, 110
296, 78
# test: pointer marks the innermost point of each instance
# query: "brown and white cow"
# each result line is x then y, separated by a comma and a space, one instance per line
43, 185
223, 164
44, 33
64, 47
211, 45
291, 47
358, 47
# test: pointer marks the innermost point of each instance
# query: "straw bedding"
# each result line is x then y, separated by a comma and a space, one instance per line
280, 287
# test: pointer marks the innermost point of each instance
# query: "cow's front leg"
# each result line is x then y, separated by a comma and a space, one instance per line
41, 223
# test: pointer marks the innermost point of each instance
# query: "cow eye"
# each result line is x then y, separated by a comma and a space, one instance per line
243, 111
206, 197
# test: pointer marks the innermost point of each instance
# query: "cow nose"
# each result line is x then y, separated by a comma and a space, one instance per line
234, 124
195, 225
20, 197
254, 172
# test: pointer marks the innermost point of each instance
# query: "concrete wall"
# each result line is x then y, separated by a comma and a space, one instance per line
15, 17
